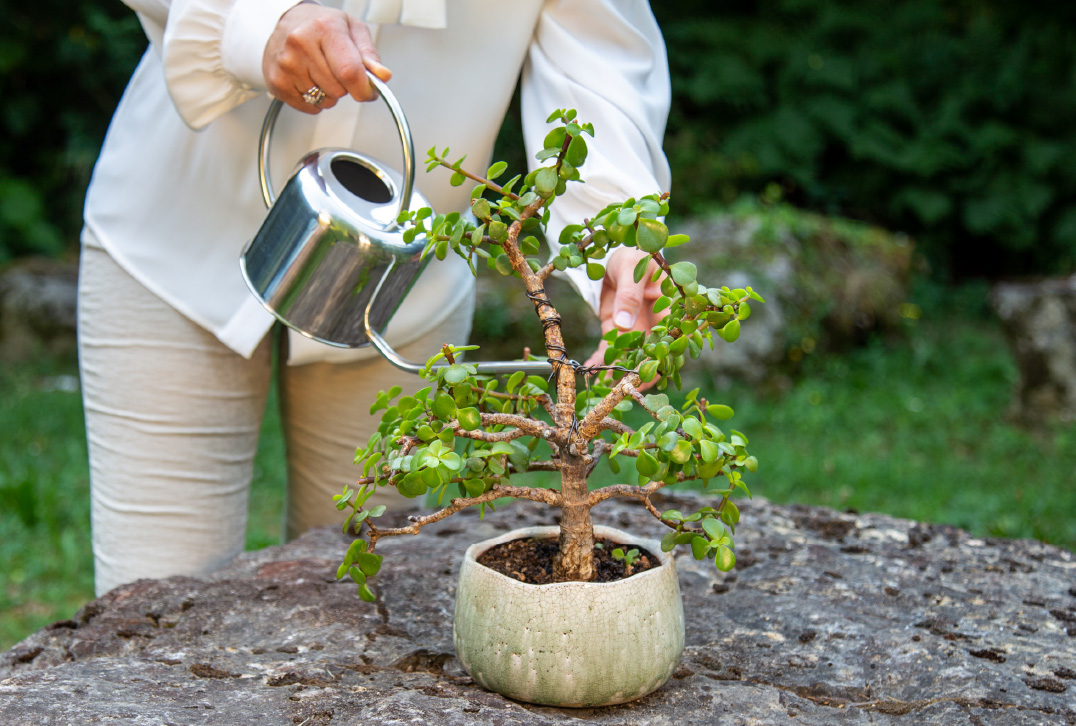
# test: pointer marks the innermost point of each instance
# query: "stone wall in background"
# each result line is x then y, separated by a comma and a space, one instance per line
37, 308
1039, 319
827, 282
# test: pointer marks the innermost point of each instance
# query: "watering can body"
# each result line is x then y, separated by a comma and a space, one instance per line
330, 260
328, 243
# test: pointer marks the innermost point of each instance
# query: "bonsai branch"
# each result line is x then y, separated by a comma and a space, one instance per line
493, 186
617, 427
641, 493
522, 425
498, 491
591, 425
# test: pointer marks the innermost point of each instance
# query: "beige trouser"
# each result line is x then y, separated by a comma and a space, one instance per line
172, 419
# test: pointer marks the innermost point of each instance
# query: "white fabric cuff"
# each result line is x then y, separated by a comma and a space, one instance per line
246, 33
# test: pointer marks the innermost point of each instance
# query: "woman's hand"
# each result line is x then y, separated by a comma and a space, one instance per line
318, 47
625, 304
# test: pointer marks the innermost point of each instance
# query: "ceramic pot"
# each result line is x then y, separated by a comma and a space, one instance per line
569, 643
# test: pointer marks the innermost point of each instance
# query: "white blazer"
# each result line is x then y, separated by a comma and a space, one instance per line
175, 196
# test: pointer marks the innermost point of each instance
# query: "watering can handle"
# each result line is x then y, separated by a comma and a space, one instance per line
485, 367
401, 126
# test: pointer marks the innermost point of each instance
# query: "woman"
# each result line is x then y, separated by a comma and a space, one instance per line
174, 352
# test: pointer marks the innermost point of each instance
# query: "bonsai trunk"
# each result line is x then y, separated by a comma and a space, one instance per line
575, 561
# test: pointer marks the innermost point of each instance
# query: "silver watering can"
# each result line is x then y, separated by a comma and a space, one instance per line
330, 260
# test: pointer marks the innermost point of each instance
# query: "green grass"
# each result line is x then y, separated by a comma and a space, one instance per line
47, 571
917, 430
913, 426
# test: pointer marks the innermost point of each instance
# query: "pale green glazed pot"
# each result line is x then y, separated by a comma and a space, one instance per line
569, 643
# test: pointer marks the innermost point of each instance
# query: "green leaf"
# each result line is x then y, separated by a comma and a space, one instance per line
365, 594
720, 411
469, 418
369, 563
577, 151
481, 209
730, 331
595, 271
681, 453
646, 464
545, 181
555, 138
699, 547
683, 273
444, 407
455, 374
457, 179
725, 559
708, 450
498, 230
412, 485
651, 235
502, 447
693, 427
675, 240
496, 170
713, 528
514, 380
668, 542
640, 269
504, 265
626, 217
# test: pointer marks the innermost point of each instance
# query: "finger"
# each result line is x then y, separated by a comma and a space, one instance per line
628, 301
350, 56
320, 75
360, 34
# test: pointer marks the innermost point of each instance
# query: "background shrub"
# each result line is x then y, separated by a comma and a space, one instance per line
63, 67
949, 120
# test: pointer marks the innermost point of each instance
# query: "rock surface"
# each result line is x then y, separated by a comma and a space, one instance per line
829, 618
1039, 319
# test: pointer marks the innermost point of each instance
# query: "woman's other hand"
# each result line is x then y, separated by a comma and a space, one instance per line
315, 47
625, 304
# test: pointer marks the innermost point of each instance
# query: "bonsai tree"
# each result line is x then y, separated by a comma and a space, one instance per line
467, 438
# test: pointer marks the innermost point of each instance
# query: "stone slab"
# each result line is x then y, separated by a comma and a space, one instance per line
829, 618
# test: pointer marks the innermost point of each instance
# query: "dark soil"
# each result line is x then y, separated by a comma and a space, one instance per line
531, 560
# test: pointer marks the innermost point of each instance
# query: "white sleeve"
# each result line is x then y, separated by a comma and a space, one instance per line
211, 49
606, 59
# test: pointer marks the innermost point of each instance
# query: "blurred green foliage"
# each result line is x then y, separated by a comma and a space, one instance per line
62, 68
949, 120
